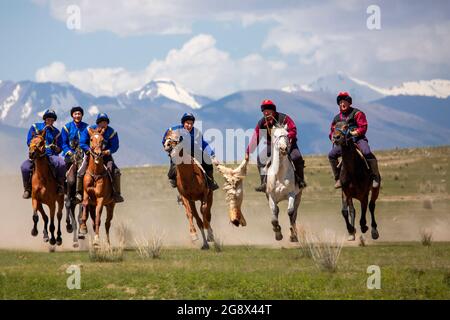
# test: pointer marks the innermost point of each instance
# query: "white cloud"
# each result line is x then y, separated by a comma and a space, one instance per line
198, 65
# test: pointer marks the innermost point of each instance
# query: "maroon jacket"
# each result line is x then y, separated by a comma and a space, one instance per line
263, 124
356, 119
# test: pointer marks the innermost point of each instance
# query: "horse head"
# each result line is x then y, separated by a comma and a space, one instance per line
280, 139
37, 145
97, 143
341, 133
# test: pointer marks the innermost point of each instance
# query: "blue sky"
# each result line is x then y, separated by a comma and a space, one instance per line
216, 47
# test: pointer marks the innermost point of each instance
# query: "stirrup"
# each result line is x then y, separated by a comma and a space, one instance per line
26, 194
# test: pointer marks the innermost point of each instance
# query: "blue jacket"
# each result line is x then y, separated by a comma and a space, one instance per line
52, 136
69, 133
196, 139
111, 138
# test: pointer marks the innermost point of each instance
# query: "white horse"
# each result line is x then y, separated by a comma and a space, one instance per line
281, 183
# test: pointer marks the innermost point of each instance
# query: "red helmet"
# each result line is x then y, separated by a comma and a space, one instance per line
268, 105
344, 96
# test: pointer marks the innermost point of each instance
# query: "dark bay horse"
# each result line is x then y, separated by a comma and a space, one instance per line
356, 183
97, 186
70, 201
192, 186
44, 190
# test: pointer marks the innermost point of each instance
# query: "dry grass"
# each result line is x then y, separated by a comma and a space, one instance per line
124, 232
150, 248
324, 249
103, 252
426, 237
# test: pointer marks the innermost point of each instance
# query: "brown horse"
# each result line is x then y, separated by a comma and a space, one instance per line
192, 186
356, 183
97, 186
44, 190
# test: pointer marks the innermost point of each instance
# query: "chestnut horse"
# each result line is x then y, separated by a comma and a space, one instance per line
356, 183
192, 186
44, 190
97, 186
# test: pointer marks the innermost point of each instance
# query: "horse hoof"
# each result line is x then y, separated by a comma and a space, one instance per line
45, 239
58, 242
81, 237
364, 229
210, 237
83, 231
34, 232
69, 228
293, 239
278, 236
52, 241
51, 248
351, 237
75, 245
205, 247
375, 234
194, 237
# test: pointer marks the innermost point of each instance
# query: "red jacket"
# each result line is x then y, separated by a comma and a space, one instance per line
355, 118
262, 124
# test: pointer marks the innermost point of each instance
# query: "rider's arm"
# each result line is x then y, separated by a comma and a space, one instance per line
114, 142
30, 134
291, 128
65, 142
361, 122
84, 140
254, 141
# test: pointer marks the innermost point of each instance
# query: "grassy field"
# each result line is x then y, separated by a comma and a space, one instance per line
414, 196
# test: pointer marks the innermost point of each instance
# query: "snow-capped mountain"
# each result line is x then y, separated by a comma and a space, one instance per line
161, 89
364, 91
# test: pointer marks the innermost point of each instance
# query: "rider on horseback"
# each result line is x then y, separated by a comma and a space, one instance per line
357, 122
53, 147
197, 144
71, 134
270, 118
111, 139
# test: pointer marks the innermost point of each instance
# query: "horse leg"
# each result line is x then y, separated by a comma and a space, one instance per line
292, 212
363, 221
34, 231
83, 228
275, 224
200, 224
98, 218
206, 213
45, 218
74, 224
109, 216
345, 213
52, 224
59, 216
189, 206
68, 206
374, 231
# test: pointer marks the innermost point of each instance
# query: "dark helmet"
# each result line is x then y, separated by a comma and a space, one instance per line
187, 116
268, 105
343, 96
49, 113
75, 109
102, 117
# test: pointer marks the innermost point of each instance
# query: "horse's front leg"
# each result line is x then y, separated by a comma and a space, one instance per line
188, 209
345, 213
362, 220
59, 215
294, 203
52, 208
109, 217
98, 220
206, 214
276, 226
374, 231
34, 231
84, 216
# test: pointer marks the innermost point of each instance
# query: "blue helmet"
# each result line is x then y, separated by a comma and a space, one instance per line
102, 117
49, 113
187, 116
